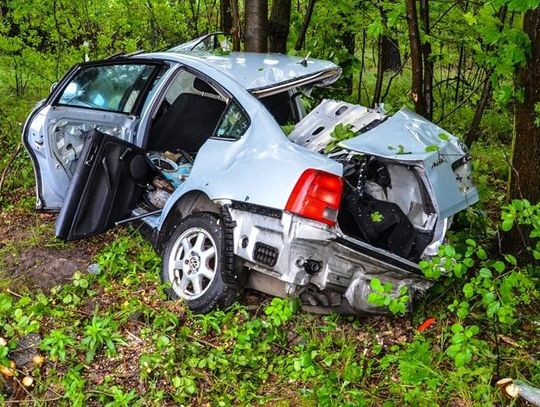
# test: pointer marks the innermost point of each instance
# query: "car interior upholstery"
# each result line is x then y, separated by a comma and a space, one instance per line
189, 121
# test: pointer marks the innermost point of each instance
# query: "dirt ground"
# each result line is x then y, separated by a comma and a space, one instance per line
31, 256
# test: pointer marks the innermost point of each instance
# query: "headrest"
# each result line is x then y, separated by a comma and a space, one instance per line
202, 86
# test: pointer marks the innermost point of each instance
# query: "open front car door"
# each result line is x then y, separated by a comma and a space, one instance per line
107, 96
106, 186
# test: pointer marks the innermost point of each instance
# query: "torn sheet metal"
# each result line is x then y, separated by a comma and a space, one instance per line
313, 132
409, 138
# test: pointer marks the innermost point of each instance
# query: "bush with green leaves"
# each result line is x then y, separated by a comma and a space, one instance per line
489, 290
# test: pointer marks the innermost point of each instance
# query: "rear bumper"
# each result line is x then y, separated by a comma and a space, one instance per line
345, 266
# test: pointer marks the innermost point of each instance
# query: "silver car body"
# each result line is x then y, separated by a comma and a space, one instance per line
253, 176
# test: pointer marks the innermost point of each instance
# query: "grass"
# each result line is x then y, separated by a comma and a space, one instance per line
114, 339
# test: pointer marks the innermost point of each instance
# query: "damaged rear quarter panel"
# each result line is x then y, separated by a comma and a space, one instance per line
261, 168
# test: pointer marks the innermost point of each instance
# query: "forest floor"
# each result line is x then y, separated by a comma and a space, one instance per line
89, 324
273, 352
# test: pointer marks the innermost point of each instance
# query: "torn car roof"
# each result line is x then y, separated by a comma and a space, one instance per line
256, 72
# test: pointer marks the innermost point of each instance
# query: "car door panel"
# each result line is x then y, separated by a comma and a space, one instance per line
55, 133
104, 188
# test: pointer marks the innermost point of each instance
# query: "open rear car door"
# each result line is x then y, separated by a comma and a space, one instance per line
106, 186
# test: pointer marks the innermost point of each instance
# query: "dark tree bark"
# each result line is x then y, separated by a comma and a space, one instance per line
236, 25
226, 16
256, 25
278, 25
362, 65
391, 57
380, 74
428, 64
461, 60
303, 31
525, 176
194, 17
416, 58
474, 131
349, 42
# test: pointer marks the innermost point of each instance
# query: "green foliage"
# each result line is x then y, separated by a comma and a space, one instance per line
523, 213
273, 353
280, 311
121, 398
101, 331
400, 149
58, 343
74, 384
340, 133
248, 356
537, 111
417, 370
376, 217
385, 296
498, 288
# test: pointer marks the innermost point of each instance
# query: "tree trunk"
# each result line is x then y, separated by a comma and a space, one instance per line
256, 25
349, 42
461, 60
362, 65
236, 26
307, 19
474, 131
278, 26
416, 58
391, 58
226, 16
428, 64
194, 17
525, 176
380, 74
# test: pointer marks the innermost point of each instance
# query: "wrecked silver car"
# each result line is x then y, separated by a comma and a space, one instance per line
190, 145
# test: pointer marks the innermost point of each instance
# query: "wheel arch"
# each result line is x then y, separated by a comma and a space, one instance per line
191, 202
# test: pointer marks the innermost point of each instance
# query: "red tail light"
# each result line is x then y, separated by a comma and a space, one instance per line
316, 195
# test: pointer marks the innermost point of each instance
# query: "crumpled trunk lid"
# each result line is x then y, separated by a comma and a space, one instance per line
410, 139
404, 138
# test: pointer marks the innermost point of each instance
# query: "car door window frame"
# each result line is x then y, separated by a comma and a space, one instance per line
159, 66
232, 102
229, 98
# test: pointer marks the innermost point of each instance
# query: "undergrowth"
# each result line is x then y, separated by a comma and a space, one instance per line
112, 338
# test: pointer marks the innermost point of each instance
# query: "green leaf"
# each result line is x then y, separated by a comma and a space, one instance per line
376, 217
444, 136
485, 273
507, 225
449, 251
510, 259
470, 242
468, 290
481, 253
499, 266
472, 331
462, 359
376, 285
493, 308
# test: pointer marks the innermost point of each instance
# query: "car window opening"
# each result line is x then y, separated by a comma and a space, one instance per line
114, 88
192, 111
286, 107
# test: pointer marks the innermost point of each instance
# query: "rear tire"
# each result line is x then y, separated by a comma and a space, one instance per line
196, 262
